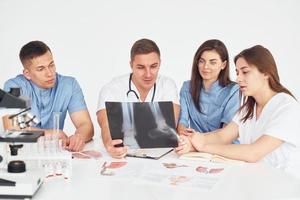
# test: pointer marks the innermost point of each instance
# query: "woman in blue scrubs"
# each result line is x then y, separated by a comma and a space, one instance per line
210, 99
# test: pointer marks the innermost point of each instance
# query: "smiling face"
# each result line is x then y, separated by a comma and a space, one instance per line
145, 69
210, 65
41, 70
251, 81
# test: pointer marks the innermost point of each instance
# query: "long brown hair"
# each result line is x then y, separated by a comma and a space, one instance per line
261, 58
196, 79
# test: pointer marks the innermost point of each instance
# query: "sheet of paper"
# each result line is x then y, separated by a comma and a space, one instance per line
170, 173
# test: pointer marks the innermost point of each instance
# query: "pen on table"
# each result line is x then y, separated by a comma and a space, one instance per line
104, 164
140, 156
103, 167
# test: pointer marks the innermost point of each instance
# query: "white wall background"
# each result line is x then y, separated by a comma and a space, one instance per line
91, 39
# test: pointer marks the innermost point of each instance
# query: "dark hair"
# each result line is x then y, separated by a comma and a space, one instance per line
32, 50
262, 59
196, 79
143, 46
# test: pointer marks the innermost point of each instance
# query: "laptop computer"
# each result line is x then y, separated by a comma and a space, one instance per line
147, 128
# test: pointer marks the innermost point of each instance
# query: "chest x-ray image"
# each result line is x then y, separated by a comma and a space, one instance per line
142, 124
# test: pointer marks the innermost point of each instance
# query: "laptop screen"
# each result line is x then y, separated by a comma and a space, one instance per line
142, 124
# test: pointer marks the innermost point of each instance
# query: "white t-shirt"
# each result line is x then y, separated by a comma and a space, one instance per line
117, 89
280, 118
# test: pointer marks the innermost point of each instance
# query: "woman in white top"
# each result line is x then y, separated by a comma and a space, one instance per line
267, 123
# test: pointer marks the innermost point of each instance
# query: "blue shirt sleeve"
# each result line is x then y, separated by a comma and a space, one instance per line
10, 84
232, 105
184, 114
18, 82
77, 101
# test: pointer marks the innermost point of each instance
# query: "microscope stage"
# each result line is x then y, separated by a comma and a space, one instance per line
26, 183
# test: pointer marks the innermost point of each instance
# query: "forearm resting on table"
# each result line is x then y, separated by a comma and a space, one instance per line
86, 131
243, 152
246, 152
216, 137
224, 135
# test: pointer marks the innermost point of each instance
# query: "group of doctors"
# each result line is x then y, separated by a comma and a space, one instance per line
253, 119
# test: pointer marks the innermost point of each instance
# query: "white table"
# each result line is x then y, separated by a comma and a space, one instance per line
249, 181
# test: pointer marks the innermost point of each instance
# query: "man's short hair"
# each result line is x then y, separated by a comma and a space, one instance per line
143, 46
32, 50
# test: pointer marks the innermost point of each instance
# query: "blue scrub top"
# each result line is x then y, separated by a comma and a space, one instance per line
218, 106
65, 96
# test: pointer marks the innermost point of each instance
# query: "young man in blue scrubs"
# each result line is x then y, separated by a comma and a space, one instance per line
51, 92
